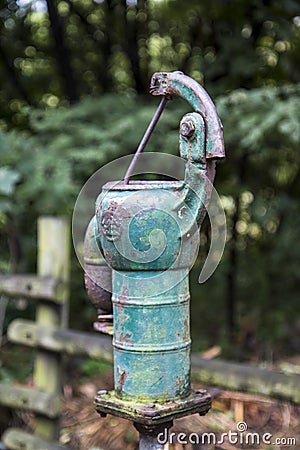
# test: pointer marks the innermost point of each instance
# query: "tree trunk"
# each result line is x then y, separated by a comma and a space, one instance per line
62, 53
233, 257
131, 45
12, 76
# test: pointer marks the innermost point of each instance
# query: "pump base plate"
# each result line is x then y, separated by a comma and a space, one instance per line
151, 413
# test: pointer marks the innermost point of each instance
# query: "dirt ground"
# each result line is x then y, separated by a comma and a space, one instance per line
263, 423
255, 422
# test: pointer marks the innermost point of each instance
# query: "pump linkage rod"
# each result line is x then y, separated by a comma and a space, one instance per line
146, 136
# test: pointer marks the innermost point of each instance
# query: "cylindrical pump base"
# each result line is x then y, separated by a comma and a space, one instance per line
151, 336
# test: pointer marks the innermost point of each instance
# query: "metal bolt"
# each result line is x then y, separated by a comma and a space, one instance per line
103, 392
150, 405
201, 391
187, 128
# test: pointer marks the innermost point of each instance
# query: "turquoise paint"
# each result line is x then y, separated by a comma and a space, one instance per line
148, 233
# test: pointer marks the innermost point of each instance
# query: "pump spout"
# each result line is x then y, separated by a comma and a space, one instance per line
180, 85
201, 138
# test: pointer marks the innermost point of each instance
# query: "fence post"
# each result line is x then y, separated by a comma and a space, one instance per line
53, 260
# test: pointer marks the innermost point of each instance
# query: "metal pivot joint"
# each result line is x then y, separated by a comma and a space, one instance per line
147, 233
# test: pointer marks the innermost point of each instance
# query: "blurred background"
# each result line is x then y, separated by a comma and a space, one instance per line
74, 95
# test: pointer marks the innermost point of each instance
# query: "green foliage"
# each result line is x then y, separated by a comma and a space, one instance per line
246, 53
54, 158
92, 367
65, 146
116, 45
16, 364
47, 165
260, 190
8, 180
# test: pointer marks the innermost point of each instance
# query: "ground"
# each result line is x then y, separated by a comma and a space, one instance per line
266, 421
83, 429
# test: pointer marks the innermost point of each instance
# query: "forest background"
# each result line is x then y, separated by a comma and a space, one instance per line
74, 95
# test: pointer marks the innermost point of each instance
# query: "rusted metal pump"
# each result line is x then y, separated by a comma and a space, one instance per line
147, 232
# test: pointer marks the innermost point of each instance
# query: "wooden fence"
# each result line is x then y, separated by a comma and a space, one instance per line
49, 335
51, 338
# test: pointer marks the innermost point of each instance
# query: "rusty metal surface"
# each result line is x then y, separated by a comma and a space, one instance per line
97, 273
150, 280
151, 328
148, 234
180, 85
105, 323
149, 443
153, 413
99, 296
160, 205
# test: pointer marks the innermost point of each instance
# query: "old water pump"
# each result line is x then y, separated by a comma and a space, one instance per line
147, 232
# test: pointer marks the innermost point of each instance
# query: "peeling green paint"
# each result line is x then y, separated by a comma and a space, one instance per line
148, 232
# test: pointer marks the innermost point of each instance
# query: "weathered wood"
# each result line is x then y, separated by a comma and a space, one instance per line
53, 261
31, 286
16, 439
231, 376
239, 377
27, 398
245, 397
70, 342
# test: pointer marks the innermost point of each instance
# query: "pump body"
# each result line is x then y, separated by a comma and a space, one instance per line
148, 232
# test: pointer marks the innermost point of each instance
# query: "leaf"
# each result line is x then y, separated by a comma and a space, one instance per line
4, 207
8, 180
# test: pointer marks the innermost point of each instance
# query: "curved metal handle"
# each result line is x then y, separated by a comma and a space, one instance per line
201, 137
180, 85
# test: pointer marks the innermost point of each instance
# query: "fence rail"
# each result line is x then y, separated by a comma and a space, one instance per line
70, 342
31, 286
51, 291
16, 439
23, 397
50, 336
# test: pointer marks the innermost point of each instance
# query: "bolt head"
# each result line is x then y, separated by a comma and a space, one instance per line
201, 391
102, 392
187, 128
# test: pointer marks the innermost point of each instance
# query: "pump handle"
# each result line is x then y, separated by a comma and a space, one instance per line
180, 85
